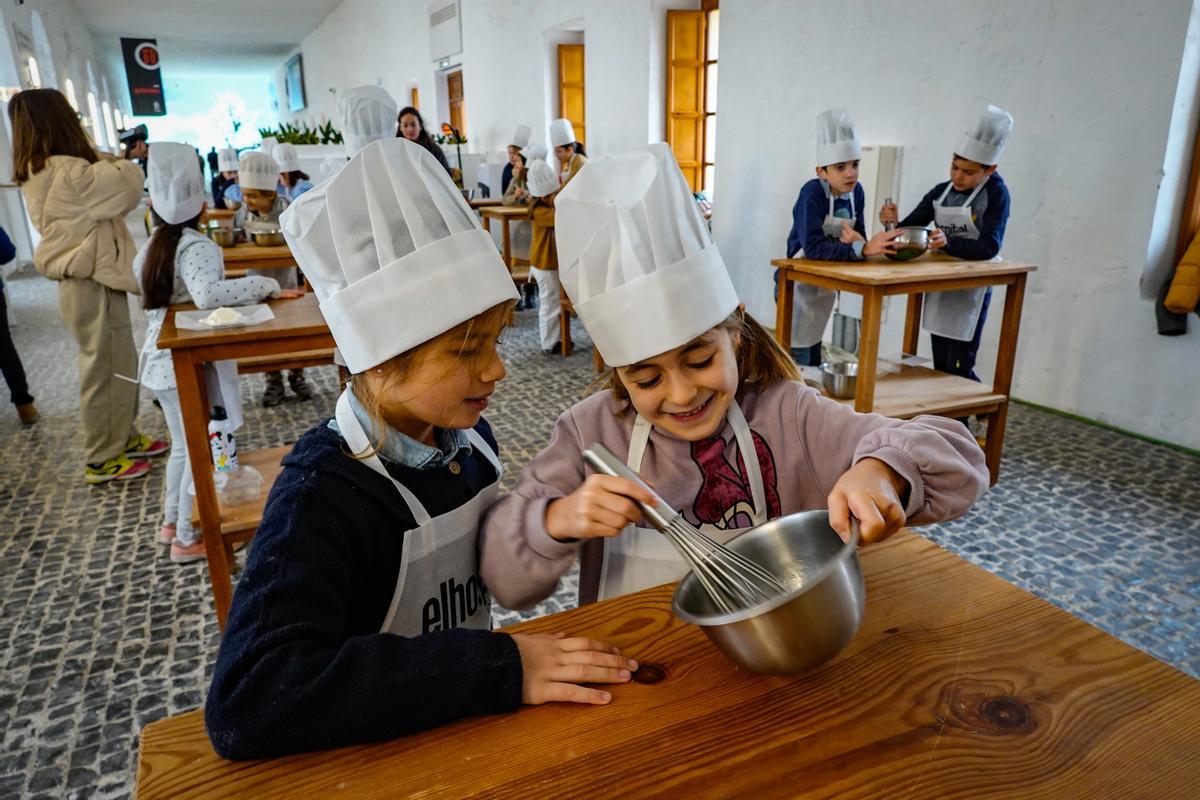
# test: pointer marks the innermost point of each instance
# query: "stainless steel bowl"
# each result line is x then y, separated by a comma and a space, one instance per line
267, 238
911, 242
468, 194
223, 236
233, 205
811, 623
840, 378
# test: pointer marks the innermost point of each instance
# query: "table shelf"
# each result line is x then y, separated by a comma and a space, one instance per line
243, 518
912, 391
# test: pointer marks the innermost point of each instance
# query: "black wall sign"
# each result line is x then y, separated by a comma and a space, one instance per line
144, 75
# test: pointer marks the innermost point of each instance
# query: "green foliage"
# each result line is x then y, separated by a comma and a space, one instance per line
291, 134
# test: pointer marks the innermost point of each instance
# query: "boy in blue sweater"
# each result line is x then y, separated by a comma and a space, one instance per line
970, 212
828, 223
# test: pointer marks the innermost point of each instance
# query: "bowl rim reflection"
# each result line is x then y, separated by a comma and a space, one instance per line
849, 548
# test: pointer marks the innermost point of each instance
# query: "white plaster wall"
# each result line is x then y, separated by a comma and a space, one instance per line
1092, 86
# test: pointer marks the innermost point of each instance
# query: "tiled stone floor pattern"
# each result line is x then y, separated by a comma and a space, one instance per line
102, 634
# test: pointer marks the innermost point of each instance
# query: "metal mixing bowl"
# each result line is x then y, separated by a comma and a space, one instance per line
233, 205
807, 626
840, 378
223, 236
911, 242
267, 238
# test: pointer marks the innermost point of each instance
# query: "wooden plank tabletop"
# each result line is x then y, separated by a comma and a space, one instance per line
249, 251
293, 317
932, 267
958, 685
485, 202
512, 212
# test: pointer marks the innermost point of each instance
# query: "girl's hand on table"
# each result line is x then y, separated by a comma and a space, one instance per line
871, 491
937, 239
601, 506
554, 666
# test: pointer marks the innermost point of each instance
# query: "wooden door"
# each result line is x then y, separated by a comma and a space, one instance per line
570, 88
414, 97
458, 111
685, 92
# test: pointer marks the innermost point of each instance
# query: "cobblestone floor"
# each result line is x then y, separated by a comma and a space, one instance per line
102, 634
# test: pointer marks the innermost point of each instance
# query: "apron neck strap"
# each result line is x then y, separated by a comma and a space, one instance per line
480, 444
971, 199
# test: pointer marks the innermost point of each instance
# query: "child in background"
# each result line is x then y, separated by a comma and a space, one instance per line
360, 615
828, 224
258, 176
225, 190
517, 193
292, 181
520, 140
10, 362
543, 255
970, 212
179, 265
569, 152
702, 402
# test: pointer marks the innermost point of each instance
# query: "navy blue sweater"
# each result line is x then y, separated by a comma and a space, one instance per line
993, 202
302, 665
812, 206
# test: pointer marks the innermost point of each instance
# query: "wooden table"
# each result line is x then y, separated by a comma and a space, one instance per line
506, 214
298, 328
958, 685
248, 255
914, 391
485, 202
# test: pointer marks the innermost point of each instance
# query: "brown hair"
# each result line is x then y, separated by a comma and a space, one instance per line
396, 369
44, 125
761, 361
158, 268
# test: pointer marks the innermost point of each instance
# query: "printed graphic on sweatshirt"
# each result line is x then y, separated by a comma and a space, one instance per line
454, 604
725, 501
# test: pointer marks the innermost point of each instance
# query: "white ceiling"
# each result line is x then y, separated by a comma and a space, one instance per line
207, 34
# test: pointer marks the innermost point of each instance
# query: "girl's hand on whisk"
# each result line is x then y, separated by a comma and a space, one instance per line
871, 491
601, 506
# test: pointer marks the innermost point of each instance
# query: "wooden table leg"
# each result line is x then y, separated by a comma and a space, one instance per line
506, 240
1006, 357
868, 349
487, 222
564, 323
783, 310
912, 324
193, 401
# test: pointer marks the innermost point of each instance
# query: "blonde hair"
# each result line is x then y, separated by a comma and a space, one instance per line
396, 369
761, 361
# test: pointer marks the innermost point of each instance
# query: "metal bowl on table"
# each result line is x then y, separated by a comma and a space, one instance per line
267, 237
232, 205
840, 378
226, 237
912, 242
811, 622
468, 194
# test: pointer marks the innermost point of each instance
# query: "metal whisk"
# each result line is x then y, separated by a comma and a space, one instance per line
732, 581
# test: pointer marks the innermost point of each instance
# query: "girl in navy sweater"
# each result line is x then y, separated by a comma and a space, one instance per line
361, 615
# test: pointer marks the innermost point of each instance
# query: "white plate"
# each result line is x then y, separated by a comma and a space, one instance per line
248, 315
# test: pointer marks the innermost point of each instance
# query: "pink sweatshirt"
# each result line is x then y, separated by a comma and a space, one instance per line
805, 442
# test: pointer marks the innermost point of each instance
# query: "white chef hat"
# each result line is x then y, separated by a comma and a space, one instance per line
836, 141
368, 113
542, 180
227, 160
534, 152
287, 157
394, 253
985, 142
562, 133
257, 170
521, 136
176, 190
635, 257
268, 145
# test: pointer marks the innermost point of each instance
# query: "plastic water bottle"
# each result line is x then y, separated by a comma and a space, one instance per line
221, 442
235, 484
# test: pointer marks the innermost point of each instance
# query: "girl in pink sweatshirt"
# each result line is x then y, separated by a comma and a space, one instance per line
697, 385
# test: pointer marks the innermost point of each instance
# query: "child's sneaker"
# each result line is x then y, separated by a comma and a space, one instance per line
187, 554
115, 469
142, 446
166, 534
299, 384
273, 394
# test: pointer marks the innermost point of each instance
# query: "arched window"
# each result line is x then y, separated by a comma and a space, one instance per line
44, 63
96, 127
33, 73
69, 91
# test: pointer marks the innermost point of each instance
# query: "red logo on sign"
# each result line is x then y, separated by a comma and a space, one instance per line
148, 56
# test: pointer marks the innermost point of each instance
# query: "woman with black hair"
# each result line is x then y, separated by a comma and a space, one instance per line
410, 126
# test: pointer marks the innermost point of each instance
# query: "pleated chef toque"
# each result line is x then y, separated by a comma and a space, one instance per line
287, 157
394, 253
368, 113
176, 190
227, 160
562, 133
521, 136
985, 142
636, 258
542, 179
257, 170
533, 152
836, 141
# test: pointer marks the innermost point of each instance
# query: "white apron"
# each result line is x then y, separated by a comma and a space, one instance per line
813, 305
639, 558
954, 314
220, 377
438, 586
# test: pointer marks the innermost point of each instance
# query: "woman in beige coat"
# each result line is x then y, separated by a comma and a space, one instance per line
78, 199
